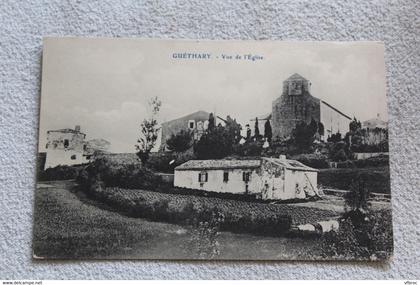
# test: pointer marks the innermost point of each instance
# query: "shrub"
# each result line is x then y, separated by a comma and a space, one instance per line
248, 149
161, 162
377, 179
313, 160
181, 141
382, 160
234, 216
368, 238
61, 172
357, 197
111, 173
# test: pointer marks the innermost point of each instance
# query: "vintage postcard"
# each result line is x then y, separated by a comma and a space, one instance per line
229, 150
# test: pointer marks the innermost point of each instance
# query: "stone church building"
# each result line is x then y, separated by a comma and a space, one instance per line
296, 104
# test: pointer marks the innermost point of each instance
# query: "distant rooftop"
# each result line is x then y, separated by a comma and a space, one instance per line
218, 164
76, 130
203, 115
375, 123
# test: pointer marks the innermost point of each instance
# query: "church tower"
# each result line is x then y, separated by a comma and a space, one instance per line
295, 105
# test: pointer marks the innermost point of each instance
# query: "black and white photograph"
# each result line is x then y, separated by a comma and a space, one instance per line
212, 150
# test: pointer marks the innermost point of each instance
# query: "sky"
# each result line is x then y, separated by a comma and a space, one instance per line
104, 84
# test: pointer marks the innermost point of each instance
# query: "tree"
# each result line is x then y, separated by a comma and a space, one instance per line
234, 129
248, 132
355, 125
215, 144
313, 127
212, 122
303, 135
357, 197
268, 132
180, 142
335, 138
338, 151
256, 129
149, 131
320, 129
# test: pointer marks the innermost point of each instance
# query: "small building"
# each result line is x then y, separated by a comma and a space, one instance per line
69, 147
65, 147
265, 178
196, 123
375, 131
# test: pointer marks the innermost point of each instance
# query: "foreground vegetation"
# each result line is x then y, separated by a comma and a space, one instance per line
140, 193
377, 178
361, 235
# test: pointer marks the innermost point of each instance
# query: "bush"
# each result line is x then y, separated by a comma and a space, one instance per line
357, 197
61, 172
364, 236
161, 162
339, 151
112, 174
382, 160
182, 209
248, 149
313, 160
377, 179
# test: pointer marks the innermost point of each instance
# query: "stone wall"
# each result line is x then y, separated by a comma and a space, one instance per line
288, 110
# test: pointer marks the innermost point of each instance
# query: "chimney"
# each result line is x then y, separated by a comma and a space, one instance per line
77, 128
282, 156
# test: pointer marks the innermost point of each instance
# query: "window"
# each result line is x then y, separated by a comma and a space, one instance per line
191, 124
66, 143
73, 157
225, 176
246, 176
203, 177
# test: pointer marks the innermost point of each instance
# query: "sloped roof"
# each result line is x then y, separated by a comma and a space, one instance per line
66, 130
335, 109
296, 76
218, 164
214, 164
290, 164
201, 115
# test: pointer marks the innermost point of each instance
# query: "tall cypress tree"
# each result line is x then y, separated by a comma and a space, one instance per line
268, 132
211, 122
257, 129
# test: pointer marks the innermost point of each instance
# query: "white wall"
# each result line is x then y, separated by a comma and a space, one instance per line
235, 184
57, 157
271, 182
333, 121
298, 184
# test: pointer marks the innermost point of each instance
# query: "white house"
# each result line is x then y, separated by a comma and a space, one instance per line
69, 147
65, 147
266, 178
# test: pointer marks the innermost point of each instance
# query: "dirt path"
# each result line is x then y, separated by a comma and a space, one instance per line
68, 226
